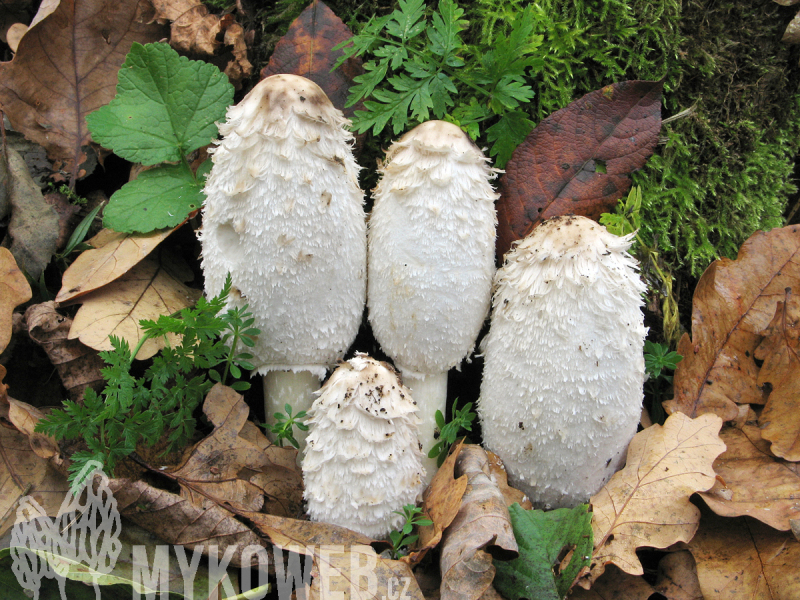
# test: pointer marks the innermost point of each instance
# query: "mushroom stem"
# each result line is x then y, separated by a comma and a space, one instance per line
295, 388
429, 392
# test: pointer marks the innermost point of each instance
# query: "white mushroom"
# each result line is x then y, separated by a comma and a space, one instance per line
362, 459
431, 259
284, 215
562, 384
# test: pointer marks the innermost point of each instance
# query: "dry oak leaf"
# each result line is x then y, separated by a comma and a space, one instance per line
780, 419
176, 521
113, 254
307, 50
743, 558
733, 303
14, 290
615, 585
25, 417
500, 476
344, 564
753, 482
150, 289
647, 502
66, 67
579, 159
481, 530
225, 465
78, 366
193, 30
677, 577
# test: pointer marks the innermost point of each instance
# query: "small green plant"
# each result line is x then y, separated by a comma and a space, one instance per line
166, 107
68, 193
448, 432
135, 410
401, 539
284, 424
657, 360
75, 242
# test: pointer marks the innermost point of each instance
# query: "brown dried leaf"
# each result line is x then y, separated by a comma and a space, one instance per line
150, 289
579, 159
677, 577
78, 366
179, 522
113, 255
751, 481
14, 290
194, 30
792, 33
67, 216
307, 50
34, 223
742, 558
733, 304
615, 585
345, 565
227, 466
66, 67
481, 530
780, 419
24, 417
239, 67
647, 503
500, 476
441, 501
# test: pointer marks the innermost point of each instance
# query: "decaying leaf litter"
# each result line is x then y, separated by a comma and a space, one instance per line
236, 489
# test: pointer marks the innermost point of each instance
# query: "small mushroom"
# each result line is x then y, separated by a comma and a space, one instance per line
284, 216
362, 459
431, 260
562, 384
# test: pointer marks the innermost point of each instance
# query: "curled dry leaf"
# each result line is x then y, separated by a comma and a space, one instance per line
14, 290
24, 417
113, 255
441, 502
677, 577
227, 466
751, 481
743, 558
179, 522
66, 67
647, 503
307, 50
150, 289
500, 476
344, 564
481, 529
733, 304
780, 419
78, 365
617, 585
579, 159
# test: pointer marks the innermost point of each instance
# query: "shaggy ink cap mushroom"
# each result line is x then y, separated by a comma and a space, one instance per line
284, 215
431, 259
561, 395
362, 459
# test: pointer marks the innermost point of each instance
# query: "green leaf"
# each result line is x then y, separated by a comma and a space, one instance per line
166, 106
159, 198
507, 134
545, 539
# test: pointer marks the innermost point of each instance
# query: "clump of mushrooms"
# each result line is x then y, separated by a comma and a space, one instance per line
284, 216
431, 259
362, 458
561, 394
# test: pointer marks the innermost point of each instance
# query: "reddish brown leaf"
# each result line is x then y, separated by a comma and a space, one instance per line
66, 67
307, 50
733, 304
558, 169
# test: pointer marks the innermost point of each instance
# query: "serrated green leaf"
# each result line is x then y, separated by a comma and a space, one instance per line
507, 134
166, 106
544, 540
447, 25
159, 198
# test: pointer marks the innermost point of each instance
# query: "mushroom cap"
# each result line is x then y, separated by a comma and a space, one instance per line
561, 395
362, 459
284, 215
431, 248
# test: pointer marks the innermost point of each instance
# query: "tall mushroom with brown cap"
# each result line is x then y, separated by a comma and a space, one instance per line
362, 459
562, 383
284, 215
431, 259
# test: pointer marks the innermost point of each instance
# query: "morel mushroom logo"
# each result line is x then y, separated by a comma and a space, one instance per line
85, 533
